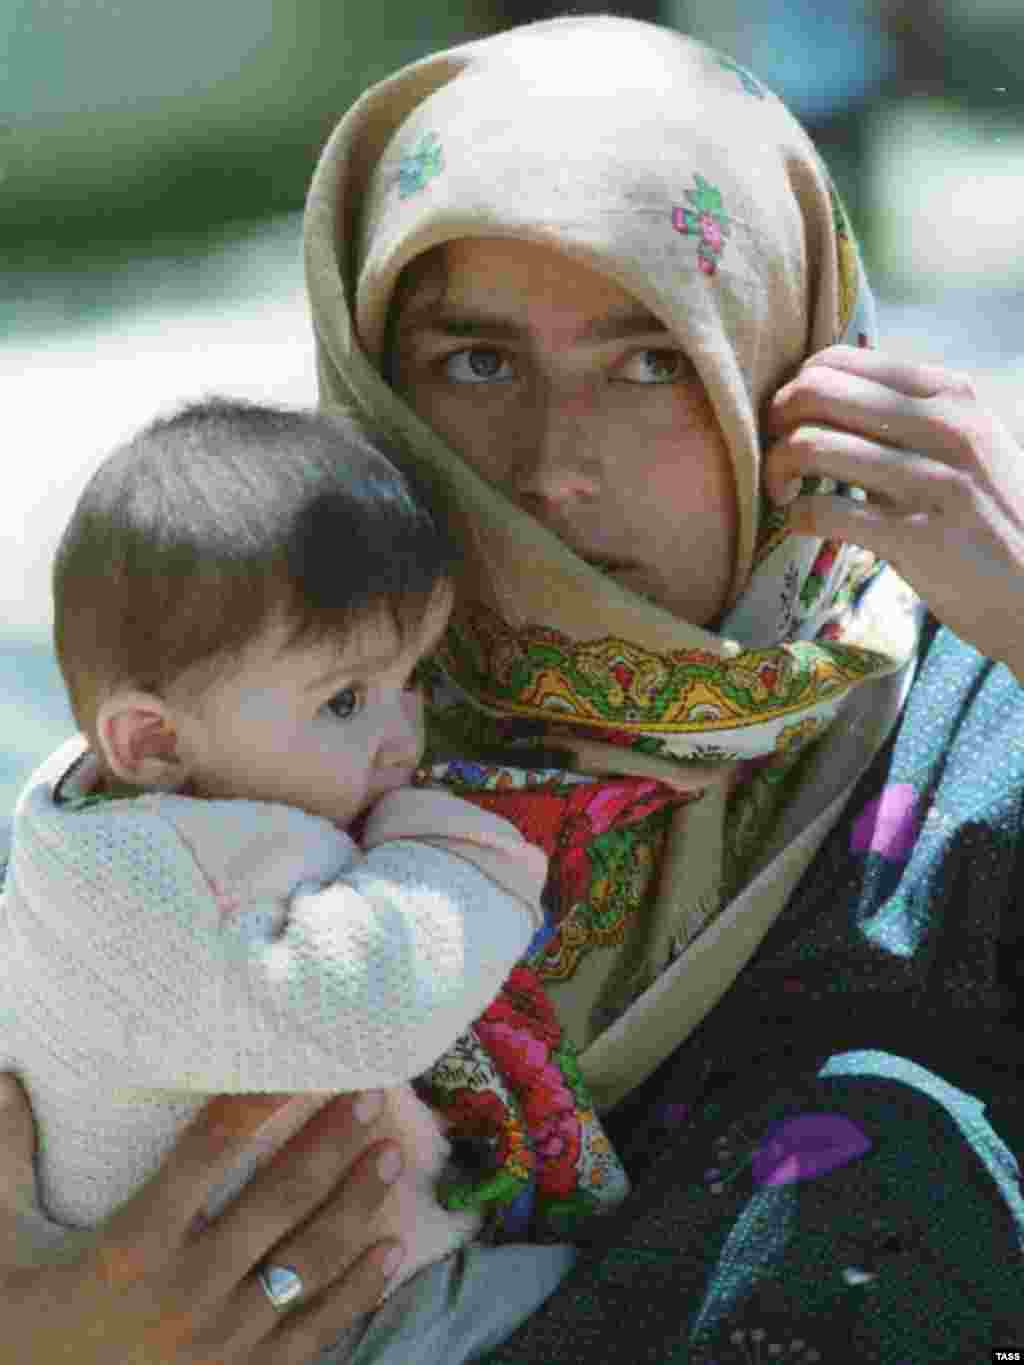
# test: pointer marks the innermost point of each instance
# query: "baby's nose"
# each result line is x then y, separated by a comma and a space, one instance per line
403, 743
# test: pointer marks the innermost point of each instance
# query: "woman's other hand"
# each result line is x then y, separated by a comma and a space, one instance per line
150, 1287
944, 478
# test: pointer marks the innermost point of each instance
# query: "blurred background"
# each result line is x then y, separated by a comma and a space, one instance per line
154, 159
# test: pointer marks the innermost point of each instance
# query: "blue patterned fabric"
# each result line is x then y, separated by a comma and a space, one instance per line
827, 1170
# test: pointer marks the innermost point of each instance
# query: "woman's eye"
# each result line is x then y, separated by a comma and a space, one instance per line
345, 703
653, 367
476, 365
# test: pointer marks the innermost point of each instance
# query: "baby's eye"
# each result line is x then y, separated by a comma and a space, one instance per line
477, 365
345, 703
653, 367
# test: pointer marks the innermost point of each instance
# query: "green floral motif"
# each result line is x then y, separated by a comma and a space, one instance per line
751, 85
617, 869
565, 1058
419, 166
706, 220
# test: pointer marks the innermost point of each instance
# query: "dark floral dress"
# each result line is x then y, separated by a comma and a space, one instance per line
827, 1170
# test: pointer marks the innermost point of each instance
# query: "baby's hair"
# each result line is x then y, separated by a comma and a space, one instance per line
212, 523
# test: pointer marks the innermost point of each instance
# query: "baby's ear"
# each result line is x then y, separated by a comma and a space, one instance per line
138, 736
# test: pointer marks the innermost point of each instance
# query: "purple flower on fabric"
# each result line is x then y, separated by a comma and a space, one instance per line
888, 825
807, 1146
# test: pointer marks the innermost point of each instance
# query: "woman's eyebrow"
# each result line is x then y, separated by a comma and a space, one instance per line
451, 321
622, 326
445, 320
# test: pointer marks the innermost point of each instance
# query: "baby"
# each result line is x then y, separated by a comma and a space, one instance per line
226, 882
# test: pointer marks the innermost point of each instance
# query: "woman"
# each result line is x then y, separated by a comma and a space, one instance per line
570, 267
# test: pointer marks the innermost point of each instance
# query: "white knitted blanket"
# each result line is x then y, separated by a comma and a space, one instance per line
157, 950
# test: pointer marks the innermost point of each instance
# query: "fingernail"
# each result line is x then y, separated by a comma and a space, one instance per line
389, 1165
368, 1106
393, 1260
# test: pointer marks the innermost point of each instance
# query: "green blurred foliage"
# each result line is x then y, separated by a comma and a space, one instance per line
121, 126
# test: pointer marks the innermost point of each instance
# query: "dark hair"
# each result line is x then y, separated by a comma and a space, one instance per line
190, 538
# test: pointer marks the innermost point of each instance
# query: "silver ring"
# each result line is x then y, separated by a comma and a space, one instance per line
281, 1284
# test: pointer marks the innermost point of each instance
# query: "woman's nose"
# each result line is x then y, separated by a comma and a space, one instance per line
555, 460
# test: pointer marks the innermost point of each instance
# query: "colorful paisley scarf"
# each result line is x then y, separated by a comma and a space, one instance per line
559, 698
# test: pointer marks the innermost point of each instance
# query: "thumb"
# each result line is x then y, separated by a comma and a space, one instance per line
17, 1149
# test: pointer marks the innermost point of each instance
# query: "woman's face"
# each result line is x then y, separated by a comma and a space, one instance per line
566, 394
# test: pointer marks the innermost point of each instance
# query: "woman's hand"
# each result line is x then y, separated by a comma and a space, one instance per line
944, 478
149, 1288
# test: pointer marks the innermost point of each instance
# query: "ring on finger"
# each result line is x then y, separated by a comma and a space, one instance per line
282, 1284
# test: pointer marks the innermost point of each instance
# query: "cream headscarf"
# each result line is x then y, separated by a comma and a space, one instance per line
662, 164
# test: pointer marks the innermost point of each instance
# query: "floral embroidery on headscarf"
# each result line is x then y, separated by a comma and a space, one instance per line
705, 219
749, 83
419, 166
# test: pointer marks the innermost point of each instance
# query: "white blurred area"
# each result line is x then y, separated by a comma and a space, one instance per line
946, 196
947, 189
230, 321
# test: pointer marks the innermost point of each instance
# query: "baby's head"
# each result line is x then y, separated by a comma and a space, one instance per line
241, 598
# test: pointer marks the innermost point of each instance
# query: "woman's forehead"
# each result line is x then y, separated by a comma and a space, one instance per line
499, 286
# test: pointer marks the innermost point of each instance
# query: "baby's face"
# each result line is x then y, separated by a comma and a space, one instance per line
324, 729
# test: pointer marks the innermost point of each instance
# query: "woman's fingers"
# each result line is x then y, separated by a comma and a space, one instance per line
302, 1334
944, 480
144, 1289
156, 1219
893, 476
324, 1243
901, 540
913, 435
895, 406
911, 378
311, 1207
